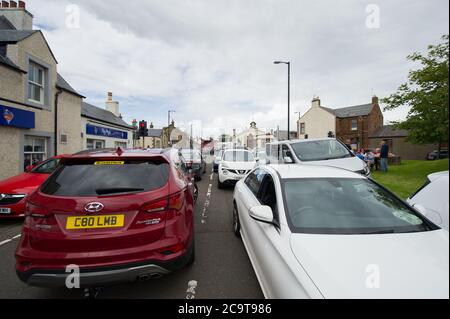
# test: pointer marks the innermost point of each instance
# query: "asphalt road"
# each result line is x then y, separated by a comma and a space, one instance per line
222, 269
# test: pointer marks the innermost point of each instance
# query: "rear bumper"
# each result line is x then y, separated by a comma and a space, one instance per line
104, 276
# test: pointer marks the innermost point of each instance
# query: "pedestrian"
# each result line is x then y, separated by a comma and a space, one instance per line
360, 154
384, 156
348, 144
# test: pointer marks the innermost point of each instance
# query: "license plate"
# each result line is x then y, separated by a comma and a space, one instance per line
5, 211
91, 222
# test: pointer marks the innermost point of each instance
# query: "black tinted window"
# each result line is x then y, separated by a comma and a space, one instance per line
254, 181
94, 180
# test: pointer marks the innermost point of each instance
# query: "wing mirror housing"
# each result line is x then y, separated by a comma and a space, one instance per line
29, 168
430, 214
288, 160
262, 214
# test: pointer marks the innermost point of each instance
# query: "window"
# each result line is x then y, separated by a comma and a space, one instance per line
120, 144
87, 179
302, 128
35, 150
94, 144
354, 125
254, 181
347, 206
36, 83
47, 167
238, 156
63, 138
267, 195
320, 150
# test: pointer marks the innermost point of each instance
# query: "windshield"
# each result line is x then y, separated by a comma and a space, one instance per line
320, 150
47, 167
238, 156
347, 206
107, 178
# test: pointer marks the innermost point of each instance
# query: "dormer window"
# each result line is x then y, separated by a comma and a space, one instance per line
36, 83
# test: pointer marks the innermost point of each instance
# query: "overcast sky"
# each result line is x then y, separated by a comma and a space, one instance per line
212, 60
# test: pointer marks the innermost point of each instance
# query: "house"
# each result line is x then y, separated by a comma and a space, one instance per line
354, 123
39, 110
252, 137
398, 145
281, 135
104, 127
153, 139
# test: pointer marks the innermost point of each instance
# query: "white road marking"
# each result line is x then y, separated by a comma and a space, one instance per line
9, 240
206, 205
190, 292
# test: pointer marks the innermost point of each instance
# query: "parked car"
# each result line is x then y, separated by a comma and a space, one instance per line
324, 232
194, 161
235, 164
217, 159
14, 190
434, 155
432, 199
326, 151
119, 216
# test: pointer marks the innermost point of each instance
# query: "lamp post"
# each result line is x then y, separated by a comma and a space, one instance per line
289, 95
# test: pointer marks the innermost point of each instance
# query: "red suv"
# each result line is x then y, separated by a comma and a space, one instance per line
117, 215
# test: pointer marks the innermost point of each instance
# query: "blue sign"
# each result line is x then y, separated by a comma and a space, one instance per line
103, 131
10, 116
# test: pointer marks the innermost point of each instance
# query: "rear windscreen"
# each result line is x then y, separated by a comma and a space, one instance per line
106, 178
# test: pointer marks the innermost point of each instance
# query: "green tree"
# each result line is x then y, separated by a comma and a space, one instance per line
426, 93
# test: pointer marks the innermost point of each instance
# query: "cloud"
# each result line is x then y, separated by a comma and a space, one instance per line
213, 60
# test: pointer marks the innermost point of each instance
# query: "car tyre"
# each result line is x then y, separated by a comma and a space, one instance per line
219, 184
192, 256
236, 222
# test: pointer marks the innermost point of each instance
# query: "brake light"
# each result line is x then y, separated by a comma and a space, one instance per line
38, 218
171, 205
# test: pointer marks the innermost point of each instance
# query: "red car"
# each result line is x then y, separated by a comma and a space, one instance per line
14, 190
119, 216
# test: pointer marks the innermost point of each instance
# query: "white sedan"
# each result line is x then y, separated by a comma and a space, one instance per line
322, 232
234, 165
432, 199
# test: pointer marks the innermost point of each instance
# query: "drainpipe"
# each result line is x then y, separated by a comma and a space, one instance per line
56, 122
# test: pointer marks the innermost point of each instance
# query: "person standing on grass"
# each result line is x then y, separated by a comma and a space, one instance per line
384, 156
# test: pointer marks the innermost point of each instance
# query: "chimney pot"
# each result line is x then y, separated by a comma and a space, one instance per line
22, 4
316, 101
374, 100
110, 96
12, 4
5, 4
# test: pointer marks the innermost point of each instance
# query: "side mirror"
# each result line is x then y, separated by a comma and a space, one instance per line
29, 168
288, 160
262, 213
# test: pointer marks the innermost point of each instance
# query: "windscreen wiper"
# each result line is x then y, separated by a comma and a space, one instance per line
386, 231
114, 190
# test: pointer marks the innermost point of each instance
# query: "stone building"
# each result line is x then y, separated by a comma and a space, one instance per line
40, 111
354, 123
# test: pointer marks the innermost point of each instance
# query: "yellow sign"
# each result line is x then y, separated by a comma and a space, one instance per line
87, 222
109, 163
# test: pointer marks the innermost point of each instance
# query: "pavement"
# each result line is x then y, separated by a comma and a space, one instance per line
222, 269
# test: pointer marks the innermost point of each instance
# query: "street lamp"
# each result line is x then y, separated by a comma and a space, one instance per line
289, 94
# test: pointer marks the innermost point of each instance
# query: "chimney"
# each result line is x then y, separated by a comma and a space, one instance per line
19, 17
374, 100
315, 102
111, 105
151, 125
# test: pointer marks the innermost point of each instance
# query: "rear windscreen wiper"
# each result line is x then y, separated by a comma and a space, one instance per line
114, 190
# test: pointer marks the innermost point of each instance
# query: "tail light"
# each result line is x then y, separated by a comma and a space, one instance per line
161, 209
39, 218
